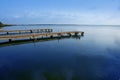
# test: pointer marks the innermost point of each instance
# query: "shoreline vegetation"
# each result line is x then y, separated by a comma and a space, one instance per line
3, 25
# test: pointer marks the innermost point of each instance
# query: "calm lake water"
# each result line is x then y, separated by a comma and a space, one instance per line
95, 56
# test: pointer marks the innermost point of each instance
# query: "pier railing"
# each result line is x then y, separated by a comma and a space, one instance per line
27, 31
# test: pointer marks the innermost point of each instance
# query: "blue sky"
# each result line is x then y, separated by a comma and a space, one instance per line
60, 11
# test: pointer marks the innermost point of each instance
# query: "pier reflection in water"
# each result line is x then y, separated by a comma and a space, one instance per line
43, 70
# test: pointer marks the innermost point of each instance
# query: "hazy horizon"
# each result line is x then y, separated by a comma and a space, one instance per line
58, 24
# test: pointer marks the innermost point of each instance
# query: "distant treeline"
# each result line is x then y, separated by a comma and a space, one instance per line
2, 25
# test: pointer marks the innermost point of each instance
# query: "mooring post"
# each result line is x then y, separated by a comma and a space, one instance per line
10, 40
31, 31
7, 33
82, 34
51, 36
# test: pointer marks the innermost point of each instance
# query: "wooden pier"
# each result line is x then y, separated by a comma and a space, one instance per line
27, 31
36, 36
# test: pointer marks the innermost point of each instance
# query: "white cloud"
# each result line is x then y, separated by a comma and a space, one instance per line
17, 16
93, 17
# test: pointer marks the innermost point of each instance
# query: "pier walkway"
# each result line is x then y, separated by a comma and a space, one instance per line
47, 33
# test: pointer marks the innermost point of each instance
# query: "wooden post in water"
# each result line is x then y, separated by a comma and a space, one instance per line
82, 34
10, 40
7, 33
31, 31
51, 36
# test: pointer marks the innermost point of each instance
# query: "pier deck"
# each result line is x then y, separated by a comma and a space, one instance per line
39, 35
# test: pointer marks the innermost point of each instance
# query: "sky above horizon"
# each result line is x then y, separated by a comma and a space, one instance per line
60, 11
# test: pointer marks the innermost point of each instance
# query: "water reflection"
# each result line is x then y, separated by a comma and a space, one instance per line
94, 57
81, 67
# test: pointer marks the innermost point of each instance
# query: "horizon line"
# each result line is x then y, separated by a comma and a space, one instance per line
58, 24
65, 24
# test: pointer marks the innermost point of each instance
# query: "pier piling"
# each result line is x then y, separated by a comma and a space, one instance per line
82, 34
10, 40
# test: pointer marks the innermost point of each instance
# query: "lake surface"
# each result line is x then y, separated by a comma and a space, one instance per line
95, 56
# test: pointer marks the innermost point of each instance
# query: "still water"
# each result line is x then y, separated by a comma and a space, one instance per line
95, 56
